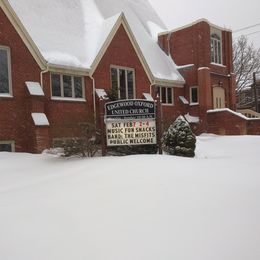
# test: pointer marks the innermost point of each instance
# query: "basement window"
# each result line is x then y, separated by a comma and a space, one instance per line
194, 97
5, 72
67, 87
123, 82
7, 146
166, 95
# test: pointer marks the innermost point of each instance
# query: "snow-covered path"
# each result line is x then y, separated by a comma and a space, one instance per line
136, 207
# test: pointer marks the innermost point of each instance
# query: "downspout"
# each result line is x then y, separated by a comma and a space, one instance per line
151, 85
41, 75
94, 98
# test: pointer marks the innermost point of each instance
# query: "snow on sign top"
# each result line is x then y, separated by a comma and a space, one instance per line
72, 32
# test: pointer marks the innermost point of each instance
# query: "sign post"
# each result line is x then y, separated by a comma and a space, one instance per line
102, 126
159, 123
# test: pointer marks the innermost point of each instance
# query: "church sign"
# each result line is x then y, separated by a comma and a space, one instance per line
130, 122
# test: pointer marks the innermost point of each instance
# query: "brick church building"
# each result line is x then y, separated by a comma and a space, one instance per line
57, 59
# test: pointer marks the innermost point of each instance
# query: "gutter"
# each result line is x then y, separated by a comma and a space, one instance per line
151, 85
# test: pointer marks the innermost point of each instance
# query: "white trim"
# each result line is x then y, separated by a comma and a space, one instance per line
216, 43
122, 21
194, 103
68, 99
166, 96
73, 98
9, 67
6, 96
10, 142
68, 70
126, 79
219, 110
218, 64
193, 23
203, 68
15, 21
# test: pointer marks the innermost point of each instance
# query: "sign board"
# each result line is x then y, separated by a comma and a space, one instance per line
135, 109
131, 132
130, 122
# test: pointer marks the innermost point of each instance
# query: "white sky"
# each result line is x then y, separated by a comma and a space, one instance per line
232, 14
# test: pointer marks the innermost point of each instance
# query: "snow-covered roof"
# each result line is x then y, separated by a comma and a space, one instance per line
184, 100
192, 119
40, 119
101, 93
196, 22
219, 110
148, 96
72, 32
34, 88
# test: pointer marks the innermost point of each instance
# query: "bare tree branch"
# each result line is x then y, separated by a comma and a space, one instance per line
246, 60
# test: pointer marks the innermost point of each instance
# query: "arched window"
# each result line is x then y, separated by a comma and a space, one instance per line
216, 48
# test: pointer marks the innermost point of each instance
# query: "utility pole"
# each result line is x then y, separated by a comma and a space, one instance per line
255, 91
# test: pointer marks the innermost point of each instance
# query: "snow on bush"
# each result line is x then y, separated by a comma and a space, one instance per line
179, 139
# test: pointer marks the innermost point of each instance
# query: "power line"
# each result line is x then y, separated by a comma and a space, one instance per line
252, 33
247, 34
245, 28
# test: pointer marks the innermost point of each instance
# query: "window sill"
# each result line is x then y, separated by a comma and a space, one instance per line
6, 96
194, 104
167, 105
82, 100
218, 64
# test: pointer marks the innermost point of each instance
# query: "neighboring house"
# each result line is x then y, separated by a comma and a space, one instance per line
56, 55
246, 99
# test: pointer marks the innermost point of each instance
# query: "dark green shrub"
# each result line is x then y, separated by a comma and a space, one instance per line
179, 139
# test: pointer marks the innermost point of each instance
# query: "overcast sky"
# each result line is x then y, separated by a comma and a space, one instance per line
232, 14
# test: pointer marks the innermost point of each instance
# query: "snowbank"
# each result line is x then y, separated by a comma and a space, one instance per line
138, 207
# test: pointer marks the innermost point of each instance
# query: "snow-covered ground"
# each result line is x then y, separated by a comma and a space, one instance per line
136, 207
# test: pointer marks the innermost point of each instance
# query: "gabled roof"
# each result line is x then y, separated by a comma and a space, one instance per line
72, 33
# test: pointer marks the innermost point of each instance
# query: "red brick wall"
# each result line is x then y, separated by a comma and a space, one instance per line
121, 53
253, 127
226, 123
191, 45
65, 116
15, 123
171, 112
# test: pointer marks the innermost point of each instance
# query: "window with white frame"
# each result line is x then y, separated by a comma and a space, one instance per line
216, 48
6, 146
67, 86
123, 81
5, 71
194, 95
166, 95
